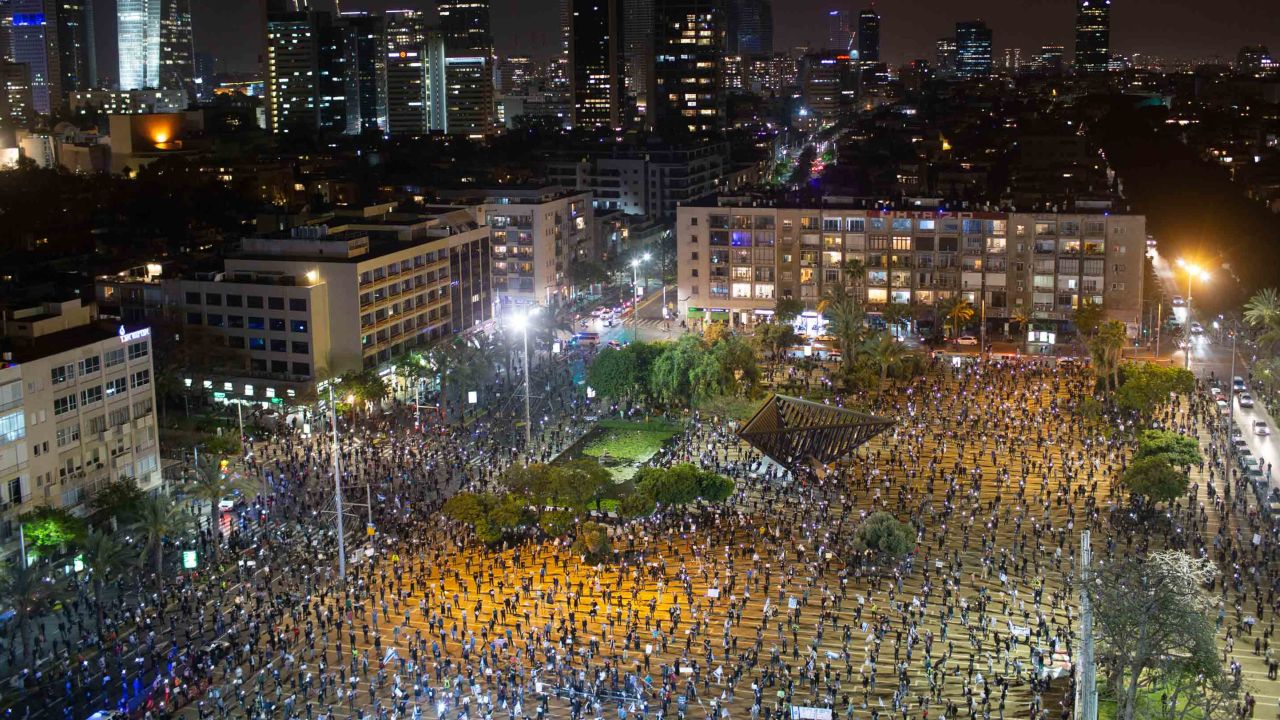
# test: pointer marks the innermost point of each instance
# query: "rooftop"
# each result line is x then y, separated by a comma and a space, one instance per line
20, 350
936, 206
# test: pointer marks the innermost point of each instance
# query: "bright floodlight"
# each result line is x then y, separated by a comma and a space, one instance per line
635, 262
520, 322
646, 257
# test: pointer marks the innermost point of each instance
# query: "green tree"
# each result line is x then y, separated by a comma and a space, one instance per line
158, 519
885, 353
210, 485
714, 487
117, 500
1105, 346
614, 373
26, 590
1175, 448
465, 507
1146, 386
895, 316
1020, 318
638, 503
105, 558
786, 310
882, 537
669, 380
1155, 479
1262, 313
1088, 318
775, 337
48, 528
957, 311
593, 541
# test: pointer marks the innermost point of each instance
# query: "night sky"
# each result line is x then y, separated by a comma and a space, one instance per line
1173, 28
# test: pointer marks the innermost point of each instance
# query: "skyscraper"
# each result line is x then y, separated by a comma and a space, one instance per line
869, 36
466, 27
973, 49
688, 69
637, 31
138, 28
31, 38
54, 38
364, 43
597, 63
839, 31
750, 27
408, 88
306, 78
946, 56
1093, 36
177, 53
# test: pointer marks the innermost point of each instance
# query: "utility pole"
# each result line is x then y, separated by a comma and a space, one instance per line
1159, 322
337, 488
1086, 670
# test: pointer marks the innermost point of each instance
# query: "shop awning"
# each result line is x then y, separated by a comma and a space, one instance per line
696, 313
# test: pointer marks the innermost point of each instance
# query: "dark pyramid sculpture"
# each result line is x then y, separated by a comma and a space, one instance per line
792, 430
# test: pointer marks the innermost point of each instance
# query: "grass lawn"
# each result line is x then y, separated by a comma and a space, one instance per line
1148, 701
630, 445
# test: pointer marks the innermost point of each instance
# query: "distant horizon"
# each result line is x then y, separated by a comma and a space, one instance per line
1184, 30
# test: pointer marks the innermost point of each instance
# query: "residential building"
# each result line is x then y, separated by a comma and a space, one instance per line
77, 410
536, 233
973, 49
737, 256
688, 94
352, 293
643, 179
770, 74
1093, 36
306, 76
597, 63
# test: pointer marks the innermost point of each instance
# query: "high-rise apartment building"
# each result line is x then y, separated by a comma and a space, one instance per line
364, 41
1093, 36
973, 49
869, 36
177, 52
840, 31
688, 82
77, 410
597, 63
536, 232
305, 74
737, 256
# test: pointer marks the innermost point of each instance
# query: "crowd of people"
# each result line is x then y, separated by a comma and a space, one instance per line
761, 607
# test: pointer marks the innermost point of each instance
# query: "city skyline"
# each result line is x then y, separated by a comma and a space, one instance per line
532, 27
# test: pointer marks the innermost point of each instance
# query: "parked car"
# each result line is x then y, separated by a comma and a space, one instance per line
1178, 301
966, 340
1223, 406
228, 503
1196, 328
1260, 427
1246, 400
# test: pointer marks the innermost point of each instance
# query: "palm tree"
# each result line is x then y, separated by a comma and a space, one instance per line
855, 274
158, 519
1020, 317
1263, 312
1104, 349
894, 315
886, 353
957, 310
25, 589
455, 363
211, 486
104, 556
845, 320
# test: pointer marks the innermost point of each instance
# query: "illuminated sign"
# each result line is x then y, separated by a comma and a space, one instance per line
128, 337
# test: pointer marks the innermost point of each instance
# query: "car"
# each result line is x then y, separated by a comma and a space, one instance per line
228, 503
1216, 393
1246, 400
1249, 462
108, 715
1223, 406
1237, 384
1260, 427
1197, 328
1178, 301
1243, 453
966, 340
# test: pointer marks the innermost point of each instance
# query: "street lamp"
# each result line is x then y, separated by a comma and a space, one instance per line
1194, 272
521, 323
635, 287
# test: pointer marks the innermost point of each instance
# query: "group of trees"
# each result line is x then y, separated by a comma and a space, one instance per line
868, 357
1160, 466
1145, 386
678, 374
558, 500
31, 589
882, 538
